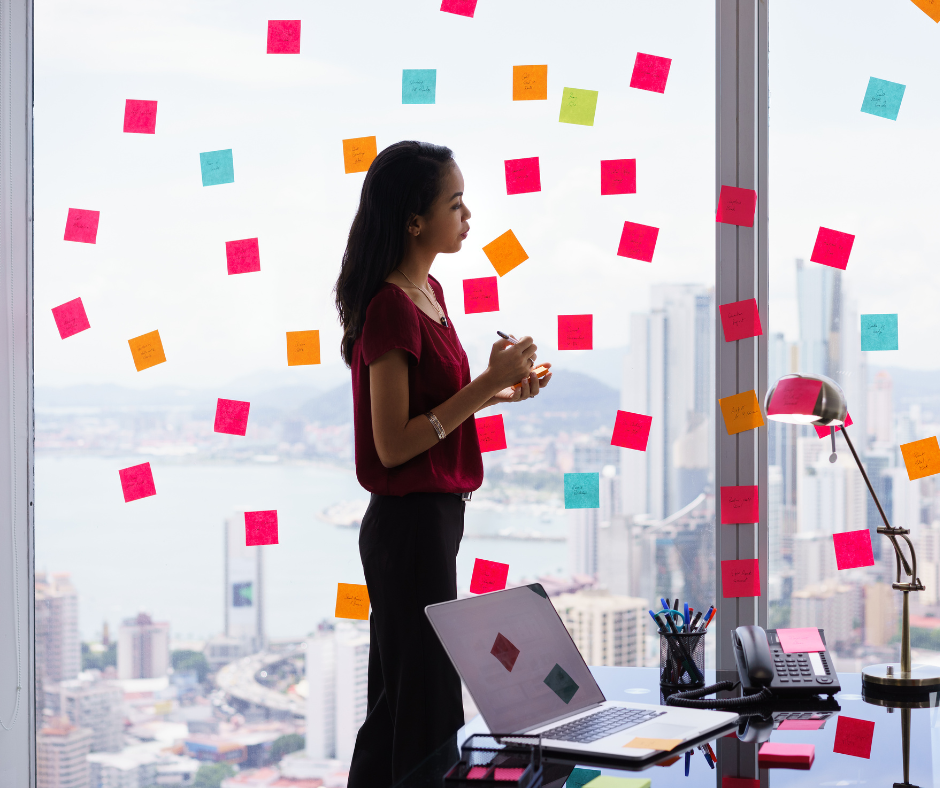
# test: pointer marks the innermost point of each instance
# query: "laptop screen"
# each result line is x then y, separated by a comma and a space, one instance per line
516, 657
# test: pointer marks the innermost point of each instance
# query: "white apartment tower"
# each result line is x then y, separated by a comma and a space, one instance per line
61, 756
352, 684
244, 587
97, 706
143, 648
58, 647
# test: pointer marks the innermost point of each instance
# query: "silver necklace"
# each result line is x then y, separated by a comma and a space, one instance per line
430, 298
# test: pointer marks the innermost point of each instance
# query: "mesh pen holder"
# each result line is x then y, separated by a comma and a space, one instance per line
681, 661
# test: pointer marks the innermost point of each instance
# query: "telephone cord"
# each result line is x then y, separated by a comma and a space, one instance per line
693, 699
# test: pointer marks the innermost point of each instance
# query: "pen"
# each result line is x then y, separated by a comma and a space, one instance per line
711, 752
676, 607
508, 337
685, 615
709, 619
695, 621
707, 759
688, 761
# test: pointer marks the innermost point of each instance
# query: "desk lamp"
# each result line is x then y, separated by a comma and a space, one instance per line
817, 400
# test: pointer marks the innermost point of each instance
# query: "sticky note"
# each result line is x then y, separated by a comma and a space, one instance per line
352, 601
650, 72
604, 781
261, 528
800, 725
879, 332
505, 253
507, 773
575, 332
740, 577
242, 257
137, 482
488, 576
459, 7
883, 98
641, 743
777, 753
70, 318
530, 83
740, 320
303, 348
140, 117
853, 549
82, 225
741, 412
581, 777
491, 432
823, 432
283, 36
522, 175
418, 85
800, 639
854, 737
929, 7
358, 154
480, 295
794, 395
147, 350
231, 416
832, 248
218, 167
736, 206
578, 106
739, 782
618, 176
739, 505
631, 430
921, 458
504, 651
582, 491
638, 241
561, 683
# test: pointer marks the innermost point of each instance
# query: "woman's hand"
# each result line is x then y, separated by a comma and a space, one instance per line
510, 364
530, 387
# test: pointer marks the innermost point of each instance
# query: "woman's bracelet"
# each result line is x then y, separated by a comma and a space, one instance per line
438, 428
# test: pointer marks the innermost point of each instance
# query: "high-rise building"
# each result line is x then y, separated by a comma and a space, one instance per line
881, 613
143, 648
607, 629
62, 756
95, 705
814, 560
831, 606
244, 587
321, 693
352, 684
58, 647
881, 409
902, 500
583, 524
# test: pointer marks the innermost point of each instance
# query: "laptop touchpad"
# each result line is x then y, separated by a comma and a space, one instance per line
662, 730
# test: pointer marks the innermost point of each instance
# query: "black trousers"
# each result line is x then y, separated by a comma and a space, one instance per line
408, 546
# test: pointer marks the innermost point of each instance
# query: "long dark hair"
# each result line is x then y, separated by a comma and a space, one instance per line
403, 181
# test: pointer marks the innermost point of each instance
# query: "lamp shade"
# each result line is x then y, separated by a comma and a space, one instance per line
806, 399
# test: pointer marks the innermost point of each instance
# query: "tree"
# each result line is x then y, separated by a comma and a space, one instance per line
210, 775
282, 745
98, 660
184, 661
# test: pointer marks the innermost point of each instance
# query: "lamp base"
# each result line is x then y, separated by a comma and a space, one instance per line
887, 681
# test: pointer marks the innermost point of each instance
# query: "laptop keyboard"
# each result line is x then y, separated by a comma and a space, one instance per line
597, 726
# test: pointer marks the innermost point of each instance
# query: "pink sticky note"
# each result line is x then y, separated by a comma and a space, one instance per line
740, 320
70, 317
618, 176
739, 782
488, 576
854, 737
794, 395
243, 257
459, 7
231, 416
800, 725
823, 432
832, 248
650, 72
575, 332
853, 549
140, 117
740, 577
491, 433
638, 241
82, 225
739, 505
779, 754
480, 295
631, 430
261, 528
795, 641
137, 482
736, 206
284, 37
522, 176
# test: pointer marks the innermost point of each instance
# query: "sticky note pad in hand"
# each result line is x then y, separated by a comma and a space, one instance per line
921, 458
147, 350
261, 528
358, 154
740, 320
631, 430
505, 253
739, 505
242, 257
740, 577
650, 72
736, 206
231, 416
218, 167
137, 482
741, 412
488, 576
578, 106
853, 549
530, 83
283, 37
638, 241
352, 601
491, 433
303, 347
575, 332
480, 295
70, 318
140, 117
540, 372
82, 225
582, 491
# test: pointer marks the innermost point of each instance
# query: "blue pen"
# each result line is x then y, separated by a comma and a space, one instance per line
686, 615
656, 621
688, 761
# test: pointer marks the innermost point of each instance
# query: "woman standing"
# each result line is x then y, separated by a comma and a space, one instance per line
416, 443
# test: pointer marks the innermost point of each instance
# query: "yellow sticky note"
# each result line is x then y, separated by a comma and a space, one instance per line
921, 458
665, 745
741, 412
606, 781
929, 7
352, 601
505, 253
163, 707
530, 83
303, 347
147, 350
358, 153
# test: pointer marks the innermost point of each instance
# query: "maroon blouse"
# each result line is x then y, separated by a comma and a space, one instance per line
437, 369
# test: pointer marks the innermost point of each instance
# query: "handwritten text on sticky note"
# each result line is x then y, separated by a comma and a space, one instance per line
481, 295
303, 347
618, 176
488, 576
358, 154
879, 332
929, 7
575, 332
82, 225
638, 241
582, 491
147, 350
883, 98
505, 253
529, 83
854, 737
736, 206
70, 318
231, 416
799, 639
283, 36
832, 248
243, 257
741, 412
140, 117
261, 528
523, 176
217, 166
419, 86
853, 549
650, 72
352, 601
631, 430
740, 320
794, 396
137, 482
740, 577
921, 458
491, 432
739, 504
578, 106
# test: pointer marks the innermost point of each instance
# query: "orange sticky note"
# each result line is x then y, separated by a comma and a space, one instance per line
352, 601
929, 7
505, 253
741, 412
530, 83
303, 347
665, 745
921, 458
358, 153
147, 350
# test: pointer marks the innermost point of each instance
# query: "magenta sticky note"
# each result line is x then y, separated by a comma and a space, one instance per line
231, 416
459, 7
82, 225
853, 549
740, 577
284, 37
832, 248
140, 117
491, 433
631, 430
70, 317
575, 332
740, 320
823, 432
739, 782
780, 754
739, 505
137, 482
800, 725
522, 175
650, 72
795, 641
243, 257
638, 241
794, 395
488, 576
481, 295
261, 528
854, 737
736, 206
618, 176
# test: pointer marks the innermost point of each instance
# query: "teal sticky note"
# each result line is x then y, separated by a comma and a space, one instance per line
581, 777
561, 683
879, 332
883, 98
582, 490
418, 85
217, 167
578, 106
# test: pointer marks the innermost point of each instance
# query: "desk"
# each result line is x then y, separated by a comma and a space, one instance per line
737, 759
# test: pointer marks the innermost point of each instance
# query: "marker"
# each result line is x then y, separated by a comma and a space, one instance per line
676, 607
710, 619
508, 337
695, 621
685, 615
657, 622
688, 761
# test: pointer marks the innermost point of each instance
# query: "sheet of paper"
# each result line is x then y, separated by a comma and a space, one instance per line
854, 736
523, 176
505, 253
358, 154
631, 430
582, 491
70, 318
231, 416
740, 577
879, 332
559, 682
883, 98
137, 482
650, 72
580, 777
800, 725
832, 248
823, 432
530, 83
140, 117
853, 549
741, 412
739, 782
794, 395
243, 257
618, 176
217, 167
736, 206
740, 320
641, 743
638, 241
459, 7
488, 576
261, 528
303, 348
283, 36
82, 225
578, 106
921, 458
481, 295
575, 332
606, 781
739, 505
419, 86
504, 651
352, 601
795, 641
929, 7
491, 432
147, 350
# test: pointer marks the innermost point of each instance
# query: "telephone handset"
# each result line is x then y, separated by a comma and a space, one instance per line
762, 662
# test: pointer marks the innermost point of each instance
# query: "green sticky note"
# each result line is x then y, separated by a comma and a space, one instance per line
561, 683
578, 106
883, 98
879, 332
418, 85
582, 491
581, 777
620, 782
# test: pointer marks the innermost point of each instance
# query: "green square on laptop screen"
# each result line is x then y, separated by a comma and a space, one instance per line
578, 106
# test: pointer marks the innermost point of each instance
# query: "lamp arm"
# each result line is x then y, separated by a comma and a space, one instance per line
861, 467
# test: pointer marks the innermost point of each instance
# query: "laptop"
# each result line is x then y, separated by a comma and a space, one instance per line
526, 675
